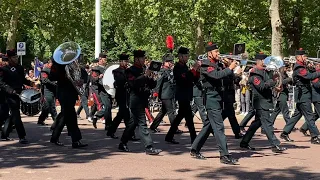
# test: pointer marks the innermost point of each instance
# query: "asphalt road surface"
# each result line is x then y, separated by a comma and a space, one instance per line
41, 160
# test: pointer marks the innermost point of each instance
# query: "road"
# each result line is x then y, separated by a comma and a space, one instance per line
41, 160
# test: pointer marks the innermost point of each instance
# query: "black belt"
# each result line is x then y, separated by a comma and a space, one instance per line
220, 88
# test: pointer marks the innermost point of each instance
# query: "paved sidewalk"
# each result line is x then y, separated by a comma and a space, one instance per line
40, 160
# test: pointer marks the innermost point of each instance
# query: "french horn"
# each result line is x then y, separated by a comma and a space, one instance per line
67, 54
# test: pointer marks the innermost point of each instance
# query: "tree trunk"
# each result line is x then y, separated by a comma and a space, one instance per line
274, 14
12, 31
199, 47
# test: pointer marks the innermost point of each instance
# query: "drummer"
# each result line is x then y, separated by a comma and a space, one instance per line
12, 80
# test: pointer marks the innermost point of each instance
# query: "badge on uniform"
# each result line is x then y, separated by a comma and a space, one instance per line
13, 69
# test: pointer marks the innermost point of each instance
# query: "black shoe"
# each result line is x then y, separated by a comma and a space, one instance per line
42, 123
78, 117
156, 130
304, 132
228, 160
123, 147
247, 146
315, 140
197, 155
172, 141
78, 144
58, 143
23, 141
134, 138
94, 122
278, 149
178, 132
286, 137
238, 136
153, 151
113, 136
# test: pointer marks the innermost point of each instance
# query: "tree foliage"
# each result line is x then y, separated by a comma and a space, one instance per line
144, 24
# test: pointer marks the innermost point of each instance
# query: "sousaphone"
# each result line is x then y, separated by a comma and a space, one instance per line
68, 54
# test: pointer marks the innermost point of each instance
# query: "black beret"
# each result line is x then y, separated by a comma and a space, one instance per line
167, 57
260, 56
300, 52
211, 47
123, 56
45, 61
183, 50
102, 55
11, 53
139, 53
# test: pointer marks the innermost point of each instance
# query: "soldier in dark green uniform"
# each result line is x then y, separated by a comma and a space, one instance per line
48, 89
315, 100
12, 79
302, 80
282, 105
211, 80
261, 85
105, 98
140, 82
122, 97
165, 90
184, 85
67, 96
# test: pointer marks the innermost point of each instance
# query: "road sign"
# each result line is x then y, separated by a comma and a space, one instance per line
21, 48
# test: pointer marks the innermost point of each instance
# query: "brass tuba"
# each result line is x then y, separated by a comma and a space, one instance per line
274, 63
67, 54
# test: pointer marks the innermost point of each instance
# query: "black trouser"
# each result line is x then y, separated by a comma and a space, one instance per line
199, 106
184, 112
68, 117
4, 113
316, 116
93, 109
262, 119
168, 107
137, 119
49, 106
248, 117
14, 119
123, 113
84, 105
304, 109
228, 112
214, 123
106, 109
281, 106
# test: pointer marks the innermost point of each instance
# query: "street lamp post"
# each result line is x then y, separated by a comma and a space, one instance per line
98, 29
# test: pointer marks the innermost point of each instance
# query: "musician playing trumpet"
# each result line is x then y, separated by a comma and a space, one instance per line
211, 76
302, 80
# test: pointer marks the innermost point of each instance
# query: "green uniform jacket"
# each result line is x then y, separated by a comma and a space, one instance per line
165, 84
302, 80
140, 87
211, 80
261, 86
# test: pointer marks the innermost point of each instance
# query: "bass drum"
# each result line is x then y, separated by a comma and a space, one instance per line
30, 102
108, 79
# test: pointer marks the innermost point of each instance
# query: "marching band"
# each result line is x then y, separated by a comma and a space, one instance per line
208, 87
